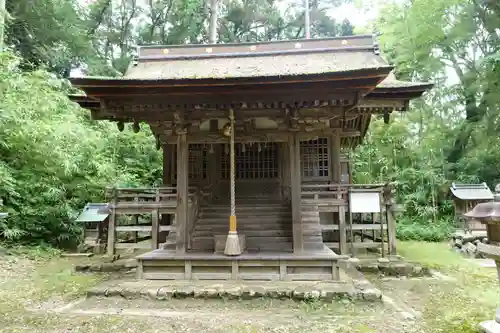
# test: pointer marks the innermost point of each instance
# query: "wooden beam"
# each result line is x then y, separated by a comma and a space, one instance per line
182, 193
259, 135
162, 111
282, 87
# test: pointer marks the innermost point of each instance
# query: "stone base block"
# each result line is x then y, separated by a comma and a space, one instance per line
220, 243
217, 289
490, 326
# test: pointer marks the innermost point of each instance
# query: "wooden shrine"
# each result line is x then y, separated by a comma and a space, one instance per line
255, 139
466, 197
95, 221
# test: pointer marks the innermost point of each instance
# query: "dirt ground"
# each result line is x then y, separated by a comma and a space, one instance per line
43, 294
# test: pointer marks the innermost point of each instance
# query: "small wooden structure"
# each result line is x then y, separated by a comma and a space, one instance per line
95, 219
466, 197
258, 131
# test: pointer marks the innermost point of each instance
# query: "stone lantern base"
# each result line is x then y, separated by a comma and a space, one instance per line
490, 326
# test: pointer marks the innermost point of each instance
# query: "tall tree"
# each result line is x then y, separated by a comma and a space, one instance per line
48, 33
448, 39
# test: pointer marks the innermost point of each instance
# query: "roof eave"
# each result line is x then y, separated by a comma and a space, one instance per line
82, 82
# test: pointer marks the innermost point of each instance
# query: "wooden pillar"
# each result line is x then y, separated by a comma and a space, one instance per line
336, 165
167, 163
182, 193
336, 177
165, 219
212, 165
155, 225
112, 226
295, 185
285, 171
342, 231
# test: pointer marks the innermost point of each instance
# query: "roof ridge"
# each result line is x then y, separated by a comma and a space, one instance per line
306, 40
255, 54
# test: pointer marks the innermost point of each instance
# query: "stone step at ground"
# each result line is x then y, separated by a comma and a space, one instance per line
231, 290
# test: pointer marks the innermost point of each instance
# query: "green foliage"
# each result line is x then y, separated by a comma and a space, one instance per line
453, 134
54, 160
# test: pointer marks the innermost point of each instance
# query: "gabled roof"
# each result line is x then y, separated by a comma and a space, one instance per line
356, 56
93, 212
472, 191
329, 71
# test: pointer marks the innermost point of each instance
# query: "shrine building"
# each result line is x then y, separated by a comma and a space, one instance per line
255, 137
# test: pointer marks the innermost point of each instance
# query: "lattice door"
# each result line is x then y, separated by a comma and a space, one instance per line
256, 161
314, 159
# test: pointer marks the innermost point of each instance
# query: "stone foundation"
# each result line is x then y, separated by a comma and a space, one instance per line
303, 290
393, 266
466, 243
490, 326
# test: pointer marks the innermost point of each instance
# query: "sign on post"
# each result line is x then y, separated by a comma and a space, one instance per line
364, 202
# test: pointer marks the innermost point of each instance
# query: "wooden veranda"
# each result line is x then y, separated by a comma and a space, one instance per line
255, 140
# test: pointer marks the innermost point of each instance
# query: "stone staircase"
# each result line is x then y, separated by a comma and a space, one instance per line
171, 239
265, 222
311, 228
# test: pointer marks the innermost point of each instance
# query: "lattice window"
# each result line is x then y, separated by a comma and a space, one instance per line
256, 161
197, 163
314, 160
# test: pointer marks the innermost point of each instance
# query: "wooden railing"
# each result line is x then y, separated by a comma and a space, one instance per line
145, 194
156, 201
335, 198
326, 196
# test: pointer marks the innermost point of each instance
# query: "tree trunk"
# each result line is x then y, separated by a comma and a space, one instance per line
213, 22
2, 23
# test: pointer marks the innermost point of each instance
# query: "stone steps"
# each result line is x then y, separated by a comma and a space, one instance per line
311, 228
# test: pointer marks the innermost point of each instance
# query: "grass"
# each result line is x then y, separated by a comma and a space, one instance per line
39, 278
458, 305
